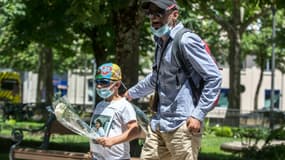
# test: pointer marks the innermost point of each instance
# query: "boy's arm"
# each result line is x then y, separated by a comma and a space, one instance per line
131, 133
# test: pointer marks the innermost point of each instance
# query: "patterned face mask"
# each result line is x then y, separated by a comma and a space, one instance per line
105, 92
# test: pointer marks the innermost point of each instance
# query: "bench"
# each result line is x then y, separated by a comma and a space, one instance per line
17, 152
37, 154
51, 126
233, 147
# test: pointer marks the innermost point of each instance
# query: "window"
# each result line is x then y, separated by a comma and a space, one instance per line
10, 84
224, 98
60, 87
276, 100
90, 90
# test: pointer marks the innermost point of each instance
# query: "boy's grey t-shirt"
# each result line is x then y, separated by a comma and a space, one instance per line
114, 115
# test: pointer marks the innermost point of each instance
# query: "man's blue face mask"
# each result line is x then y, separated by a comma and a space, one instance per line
162, 31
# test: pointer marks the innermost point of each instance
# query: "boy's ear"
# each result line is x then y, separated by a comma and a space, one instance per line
118, 84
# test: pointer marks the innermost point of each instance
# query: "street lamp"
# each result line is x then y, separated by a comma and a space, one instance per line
94, 82
272, 67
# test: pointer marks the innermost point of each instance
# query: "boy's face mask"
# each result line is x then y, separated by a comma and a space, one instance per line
105, 92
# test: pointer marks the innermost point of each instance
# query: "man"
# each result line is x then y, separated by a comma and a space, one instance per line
175, 130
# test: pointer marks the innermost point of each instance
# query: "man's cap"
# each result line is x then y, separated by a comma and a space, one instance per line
109, 71
163, 4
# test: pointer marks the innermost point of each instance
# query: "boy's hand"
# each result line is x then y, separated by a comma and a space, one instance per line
89, 155
106, 142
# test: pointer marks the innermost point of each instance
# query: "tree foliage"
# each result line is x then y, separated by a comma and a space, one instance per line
113, 30
233, 17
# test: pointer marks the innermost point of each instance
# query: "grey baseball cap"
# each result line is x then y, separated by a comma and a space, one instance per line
163, 4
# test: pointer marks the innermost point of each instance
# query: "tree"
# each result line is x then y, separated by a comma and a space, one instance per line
209, 31
234, 17
43, 25
127, 33
257, 42
113, 27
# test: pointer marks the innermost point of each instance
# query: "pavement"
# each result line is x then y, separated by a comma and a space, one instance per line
238, 146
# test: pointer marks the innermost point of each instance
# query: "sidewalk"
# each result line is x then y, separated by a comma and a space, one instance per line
238, 146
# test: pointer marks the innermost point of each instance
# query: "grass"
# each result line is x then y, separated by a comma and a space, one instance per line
209, 141
6, 129
210, 148
4, 156
37, 137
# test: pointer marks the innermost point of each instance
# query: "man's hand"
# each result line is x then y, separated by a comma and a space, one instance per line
194, 125
126, 94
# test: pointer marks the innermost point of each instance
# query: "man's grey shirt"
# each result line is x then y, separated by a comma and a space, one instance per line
175, 94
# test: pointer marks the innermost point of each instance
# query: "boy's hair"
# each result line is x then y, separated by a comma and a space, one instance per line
109, 71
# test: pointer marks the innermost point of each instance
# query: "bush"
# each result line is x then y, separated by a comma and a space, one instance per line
207, 128
266, 153
223, 131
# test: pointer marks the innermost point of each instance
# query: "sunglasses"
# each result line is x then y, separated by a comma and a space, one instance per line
103, 82
155, 13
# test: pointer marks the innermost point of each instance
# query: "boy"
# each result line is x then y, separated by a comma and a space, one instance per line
117, 115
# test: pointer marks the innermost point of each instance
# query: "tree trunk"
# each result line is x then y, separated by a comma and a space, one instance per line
49, 75
45, 73
127, 42
45, 76
127, 50
41, 77
235, 64
99, 50
258, 88
232, 116
233, 112
262, 61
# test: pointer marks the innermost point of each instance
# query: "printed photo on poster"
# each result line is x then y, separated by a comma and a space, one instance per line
101, 124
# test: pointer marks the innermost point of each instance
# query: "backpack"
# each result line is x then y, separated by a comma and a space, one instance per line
197, 90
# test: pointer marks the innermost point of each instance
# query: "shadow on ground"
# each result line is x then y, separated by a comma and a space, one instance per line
214, 156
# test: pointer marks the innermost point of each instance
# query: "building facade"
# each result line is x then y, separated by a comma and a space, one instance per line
249, 79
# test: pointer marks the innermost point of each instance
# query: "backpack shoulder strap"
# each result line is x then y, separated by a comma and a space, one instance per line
176, 50
178, 56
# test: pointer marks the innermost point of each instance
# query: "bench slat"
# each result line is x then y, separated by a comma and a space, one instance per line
37, 154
